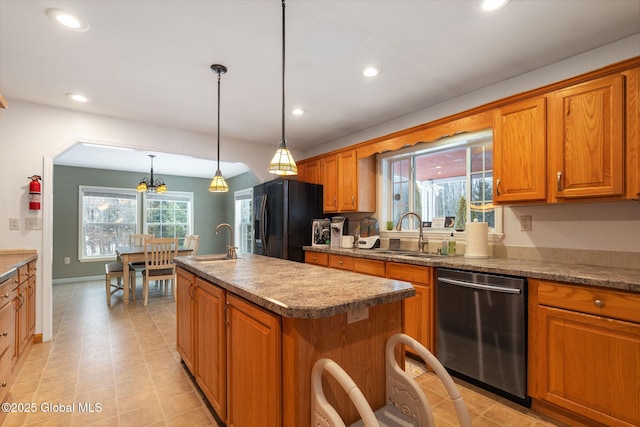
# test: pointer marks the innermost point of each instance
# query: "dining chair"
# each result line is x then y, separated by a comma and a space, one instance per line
158, 259
114, 270
192, 241
137, 266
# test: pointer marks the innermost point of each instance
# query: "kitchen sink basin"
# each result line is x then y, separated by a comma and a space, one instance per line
210, 258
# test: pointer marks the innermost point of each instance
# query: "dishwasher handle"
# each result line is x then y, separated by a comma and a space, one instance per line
480, 286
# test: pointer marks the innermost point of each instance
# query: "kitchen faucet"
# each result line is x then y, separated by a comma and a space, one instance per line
231, 249
422, 242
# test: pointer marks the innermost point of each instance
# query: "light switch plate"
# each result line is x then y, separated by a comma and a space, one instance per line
33, 224
14, 223
525, 222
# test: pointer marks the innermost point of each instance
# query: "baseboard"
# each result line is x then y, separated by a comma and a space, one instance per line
37, 338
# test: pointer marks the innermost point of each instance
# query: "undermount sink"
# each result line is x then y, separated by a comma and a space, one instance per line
210, 258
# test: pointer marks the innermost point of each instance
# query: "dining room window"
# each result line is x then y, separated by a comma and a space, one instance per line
107, 217
168, 214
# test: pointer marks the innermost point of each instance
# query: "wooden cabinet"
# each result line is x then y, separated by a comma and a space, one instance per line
372, 267
519, 147
342, 262
25, 306
186, 318
348, 182
7, 334
317, 258
586, 140
310, 172
632, 79
418, 310
253, 365
211, 372
584, 352
233, 349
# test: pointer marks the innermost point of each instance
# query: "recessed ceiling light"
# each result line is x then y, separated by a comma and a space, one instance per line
493, 5
371, 71
67, 19
297, 112
77, 97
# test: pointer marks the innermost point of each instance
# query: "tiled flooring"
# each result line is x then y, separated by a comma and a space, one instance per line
125, 360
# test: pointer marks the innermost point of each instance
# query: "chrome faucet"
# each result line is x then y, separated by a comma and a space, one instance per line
422, 242
231, 249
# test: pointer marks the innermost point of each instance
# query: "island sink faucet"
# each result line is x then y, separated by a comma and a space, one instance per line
422, 242
231, 249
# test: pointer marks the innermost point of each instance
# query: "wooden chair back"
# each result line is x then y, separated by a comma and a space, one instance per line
138, 239
158, 255
192, 241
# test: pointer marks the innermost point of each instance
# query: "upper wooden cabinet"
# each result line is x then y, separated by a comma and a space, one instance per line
309, 172
632, 80
519, 141
586, 140
349, 183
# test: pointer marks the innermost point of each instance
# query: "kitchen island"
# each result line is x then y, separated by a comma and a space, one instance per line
250, 330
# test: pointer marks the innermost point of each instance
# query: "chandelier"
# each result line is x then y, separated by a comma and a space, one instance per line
151, 185
282, 162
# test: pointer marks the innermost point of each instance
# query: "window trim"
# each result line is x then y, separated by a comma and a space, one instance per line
80, 242
168, 194
384, 208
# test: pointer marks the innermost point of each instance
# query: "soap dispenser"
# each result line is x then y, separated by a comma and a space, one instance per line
452, 245
445, 246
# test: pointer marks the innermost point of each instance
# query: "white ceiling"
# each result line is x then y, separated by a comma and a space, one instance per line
149, 60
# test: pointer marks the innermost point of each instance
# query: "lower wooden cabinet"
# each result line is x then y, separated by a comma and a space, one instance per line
7, 335
232, 347
317, 258
585, 353
418, 310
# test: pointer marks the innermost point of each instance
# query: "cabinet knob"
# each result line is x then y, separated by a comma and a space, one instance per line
314, 258
599, 303
5, 333
340, 262
4, 384
5, 295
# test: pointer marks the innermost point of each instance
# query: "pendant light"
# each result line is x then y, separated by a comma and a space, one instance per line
218, 184
282, 162
151, 185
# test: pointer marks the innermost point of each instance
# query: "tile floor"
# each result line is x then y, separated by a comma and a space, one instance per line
125, 360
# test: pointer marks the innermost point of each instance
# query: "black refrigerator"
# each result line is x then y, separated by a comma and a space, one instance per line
283, 212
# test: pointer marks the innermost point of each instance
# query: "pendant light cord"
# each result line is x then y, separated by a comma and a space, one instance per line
284, 142
218, 120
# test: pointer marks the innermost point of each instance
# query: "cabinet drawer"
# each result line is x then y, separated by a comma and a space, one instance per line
602, 302
317, 258
7, 326
23, 273
372, 267
6, 290
410, 273
341, 262
32, 268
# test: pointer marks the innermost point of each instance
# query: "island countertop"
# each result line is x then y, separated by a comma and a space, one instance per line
12, 259
296, 290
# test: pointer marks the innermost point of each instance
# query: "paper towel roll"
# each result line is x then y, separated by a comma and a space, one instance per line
477, 240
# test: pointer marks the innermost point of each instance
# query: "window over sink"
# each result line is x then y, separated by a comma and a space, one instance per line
450, 178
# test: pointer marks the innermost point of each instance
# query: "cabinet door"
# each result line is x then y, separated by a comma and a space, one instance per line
311, 172
21, 317
591, 365
31, 306
633, 133
348, 181
329, 176
210, 344
417, 310
519, 147
317, 258
587, 140
253, 366
185, 318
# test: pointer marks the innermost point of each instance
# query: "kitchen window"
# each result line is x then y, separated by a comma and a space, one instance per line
109, 215
243, 229
450, 178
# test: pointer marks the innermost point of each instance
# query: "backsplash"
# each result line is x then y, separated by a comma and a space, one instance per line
570, 256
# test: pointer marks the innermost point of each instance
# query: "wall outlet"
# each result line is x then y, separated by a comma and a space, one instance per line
525, 222
67, 260
14, 223
357, 315
33, 224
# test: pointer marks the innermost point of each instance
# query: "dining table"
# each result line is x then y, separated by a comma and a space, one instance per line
128, 254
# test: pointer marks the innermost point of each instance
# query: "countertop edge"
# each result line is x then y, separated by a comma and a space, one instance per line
19, 258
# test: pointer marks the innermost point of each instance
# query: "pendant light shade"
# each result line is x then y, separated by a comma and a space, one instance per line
282, 162
218, 184
152, 185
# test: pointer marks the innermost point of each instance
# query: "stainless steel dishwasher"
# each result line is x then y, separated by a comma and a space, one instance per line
481, 330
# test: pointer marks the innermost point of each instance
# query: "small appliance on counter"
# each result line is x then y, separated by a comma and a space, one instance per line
369, 233
320, 232
339, 228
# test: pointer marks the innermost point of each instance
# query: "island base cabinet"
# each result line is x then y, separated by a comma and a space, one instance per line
358, 347
254, 380
185, 318
581, 362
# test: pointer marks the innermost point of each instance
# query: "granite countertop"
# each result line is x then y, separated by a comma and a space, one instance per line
616, 278
12, 259
297, 290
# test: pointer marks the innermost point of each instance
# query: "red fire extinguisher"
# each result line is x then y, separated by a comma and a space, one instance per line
35, 193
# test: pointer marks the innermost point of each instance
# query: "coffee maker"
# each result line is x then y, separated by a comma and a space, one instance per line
339, 228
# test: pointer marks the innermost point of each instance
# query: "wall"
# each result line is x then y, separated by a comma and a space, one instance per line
210, 209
